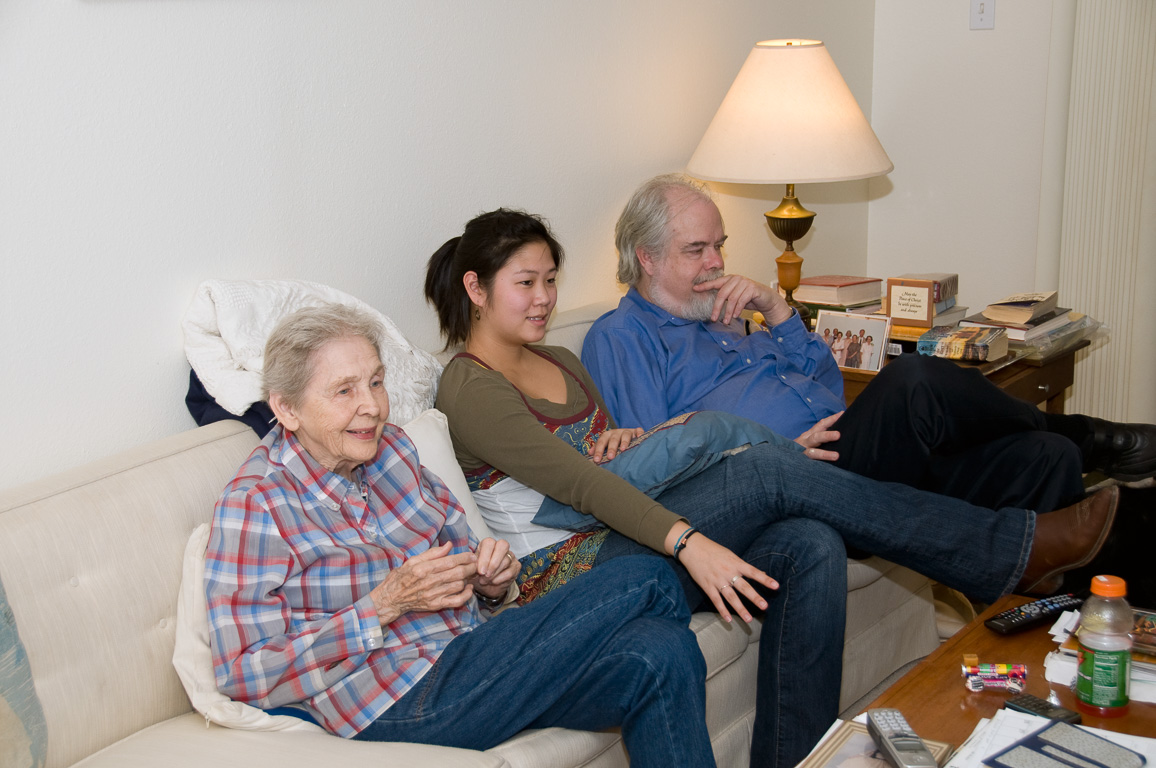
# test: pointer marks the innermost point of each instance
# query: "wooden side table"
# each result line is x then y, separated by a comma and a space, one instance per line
1037, 382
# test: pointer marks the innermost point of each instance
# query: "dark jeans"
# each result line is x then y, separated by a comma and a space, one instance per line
613, 649
932, 424
789, 515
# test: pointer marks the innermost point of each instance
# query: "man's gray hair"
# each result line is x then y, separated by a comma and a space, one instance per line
645, 221
291, 346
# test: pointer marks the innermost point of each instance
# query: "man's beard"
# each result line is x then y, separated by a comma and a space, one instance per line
698, 307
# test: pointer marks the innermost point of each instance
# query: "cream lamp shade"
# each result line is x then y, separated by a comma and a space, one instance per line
789, 118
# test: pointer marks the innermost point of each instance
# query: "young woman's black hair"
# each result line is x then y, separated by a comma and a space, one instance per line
488, 242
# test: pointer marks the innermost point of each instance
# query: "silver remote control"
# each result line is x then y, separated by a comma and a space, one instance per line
899, 745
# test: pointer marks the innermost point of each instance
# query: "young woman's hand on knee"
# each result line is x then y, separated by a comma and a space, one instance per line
725, 577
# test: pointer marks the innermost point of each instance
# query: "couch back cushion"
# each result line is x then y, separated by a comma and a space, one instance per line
90, 561
568, 329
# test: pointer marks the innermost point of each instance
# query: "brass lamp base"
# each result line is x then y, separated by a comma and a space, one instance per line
789, 222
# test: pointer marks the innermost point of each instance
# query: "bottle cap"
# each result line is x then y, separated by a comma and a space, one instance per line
1109, 586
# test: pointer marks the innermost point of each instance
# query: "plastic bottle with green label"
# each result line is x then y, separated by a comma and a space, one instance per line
1105, 658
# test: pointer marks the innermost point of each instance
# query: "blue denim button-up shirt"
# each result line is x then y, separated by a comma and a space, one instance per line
651, 366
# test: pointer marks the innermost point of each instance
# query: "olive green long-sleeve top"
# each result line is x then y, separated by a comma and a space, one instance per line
490, 424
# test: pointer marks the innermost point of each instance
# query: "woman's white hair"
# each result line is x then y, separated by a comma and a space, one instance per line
292, 344
645, 221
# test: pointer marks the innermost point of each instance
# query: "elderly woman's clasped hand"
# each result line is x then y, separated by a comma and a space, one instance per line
497, 567
436, 580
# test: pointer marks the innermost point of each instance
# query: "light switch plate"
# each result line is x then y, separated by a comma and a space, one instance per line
983, 14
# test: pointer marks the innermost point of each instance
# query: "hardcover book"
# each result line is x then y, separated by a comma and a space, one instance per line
1025, 332
945, 284
868, 308
1021, 308
847, 290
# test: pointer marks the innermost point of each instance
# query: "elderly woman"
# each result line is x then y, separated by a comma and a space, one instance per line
343, 580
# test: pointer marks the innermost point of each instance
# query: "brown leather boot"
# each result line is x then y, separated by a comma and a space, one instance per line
1068, 538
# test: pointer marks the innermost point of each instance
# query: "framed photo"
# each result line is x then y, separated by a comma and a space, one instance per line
857, 341
851, 746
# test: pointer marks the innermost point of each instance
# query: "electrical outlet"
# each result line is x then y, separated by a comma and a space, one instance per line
983, 14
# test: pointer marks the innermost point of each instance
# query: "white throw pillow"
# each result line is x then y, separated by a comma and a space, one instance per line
430, 433
192, 656
194, 661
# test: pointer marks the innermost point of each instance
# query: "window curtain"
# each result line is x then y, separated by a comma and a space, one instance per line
1108, 235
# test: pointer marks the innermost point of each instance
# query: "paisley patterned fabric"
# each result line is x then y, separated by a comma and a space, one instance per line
550, 567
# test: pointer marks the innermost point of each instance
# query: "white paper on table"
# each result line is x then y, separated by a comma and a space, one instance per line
1064, 626
1008, 726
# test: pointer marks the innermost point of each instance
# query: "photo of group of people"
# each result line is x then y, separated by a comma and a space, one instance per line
856, 341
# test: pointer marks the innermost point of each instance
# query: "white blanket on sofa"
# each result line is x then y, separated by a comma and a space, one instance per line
228, 322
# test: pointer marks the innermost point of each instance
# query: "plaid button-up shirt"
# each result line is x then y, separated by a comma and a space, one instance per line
295, 551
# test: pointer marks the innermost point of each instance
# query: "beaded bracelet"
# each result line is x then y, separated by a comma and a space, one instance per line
681, 543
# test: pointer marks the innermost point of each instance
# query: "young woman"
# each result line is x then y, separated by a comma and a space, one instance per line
765, 525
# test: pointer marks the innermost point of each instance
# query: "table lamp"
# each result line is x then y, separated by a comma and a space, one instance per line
789, 118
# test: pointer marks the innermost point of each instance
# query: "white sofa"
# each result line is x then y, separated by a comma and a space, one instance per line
91, 567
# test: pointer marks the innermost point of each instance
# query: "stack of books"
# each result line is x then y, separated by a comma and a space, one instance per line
979, 345
840, 293
1026, 317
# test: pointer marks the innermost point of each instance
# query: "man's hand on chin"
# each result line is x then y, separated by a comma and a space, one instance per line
736, 293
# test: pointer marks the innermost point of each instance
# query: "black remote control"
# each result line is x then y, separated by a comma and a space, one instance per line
1032, 614
1034, 705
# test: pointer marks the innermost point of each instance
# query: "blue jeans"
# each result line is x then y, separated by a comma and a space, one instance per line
790, 515
612, 649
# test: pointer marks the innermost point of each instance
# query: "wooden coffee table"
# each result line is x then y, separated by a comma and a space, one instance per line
935, 702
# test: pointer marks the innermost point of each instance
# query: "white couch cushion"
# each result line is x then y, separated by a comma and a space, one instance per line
91, 562
186, 742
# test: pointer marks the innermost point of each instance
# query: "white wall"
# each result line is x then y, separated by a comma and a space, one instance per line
147, 146
973, 122
976, 124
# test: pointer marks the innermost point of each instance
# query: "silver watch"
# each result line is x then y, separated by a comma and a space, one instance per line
490, 602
